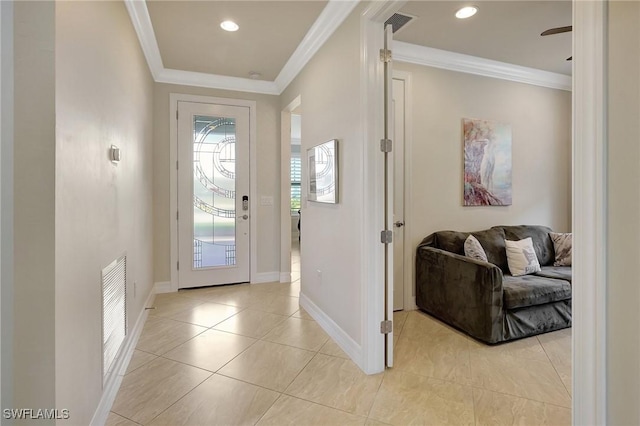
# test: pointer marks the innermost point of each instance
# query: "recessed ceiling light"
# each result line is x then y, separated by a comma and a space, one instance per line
254, 75
466, 12
229, 26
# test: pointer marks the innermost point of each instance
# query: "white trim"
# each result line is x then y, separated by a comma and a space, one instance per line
173, 185
174, 98
163, 287
285, 277
265, 277
372, 256
346, 343
331, 17
113, 381
141, 21
589, 212
285, 189
409, 251
213, 81
428, 56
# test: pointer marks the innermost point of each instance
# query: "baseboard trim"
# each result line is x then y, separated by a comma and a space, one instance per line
162, 287
112, 384
266, 277
285, 277
346, 343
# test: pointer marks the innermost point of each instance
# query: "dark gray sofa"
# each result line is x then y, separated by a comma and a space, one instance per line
482, 298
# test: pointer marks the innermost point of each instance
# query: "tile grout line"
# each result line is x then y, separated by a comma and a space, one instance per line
183, 396
556, 370
125, 417
519, 396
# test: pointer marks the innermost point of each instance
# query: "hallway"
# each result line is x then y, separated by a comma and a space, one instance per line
248, 354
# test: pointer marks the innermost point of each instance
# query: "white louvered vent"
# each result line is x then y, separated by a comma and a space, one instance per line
114, 311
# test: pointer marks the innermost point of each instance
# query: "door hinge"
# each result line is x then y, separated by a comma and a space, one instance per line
385, 55
386, 237
386, 145
178, 265
386, 327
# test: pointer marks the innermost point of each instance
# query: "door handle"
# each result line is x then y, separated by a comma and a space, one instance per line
244, 216
399, 224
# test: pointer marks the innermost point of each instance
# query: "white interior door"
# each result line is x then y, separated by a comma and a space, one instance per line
398, 195
388, 195
213, 194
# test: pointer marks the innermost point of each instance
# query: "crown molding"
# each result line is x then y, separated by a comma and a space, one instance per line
334, 13
141, 21
213, 81
331, 17
428, 56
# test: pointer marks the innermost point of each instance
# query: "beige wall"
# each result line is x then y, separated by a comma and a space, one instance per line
623, 292
34, 205
104, 96
6, 201
540, 121
78, 89
268, 176
329, 86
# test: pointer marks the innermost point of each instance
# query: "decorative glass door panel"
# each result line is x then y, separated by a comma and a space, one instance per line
214, 191
213, 180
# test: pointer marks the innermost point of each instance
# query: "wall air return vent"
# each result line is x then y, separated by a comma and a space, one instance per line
114, 311
398, 21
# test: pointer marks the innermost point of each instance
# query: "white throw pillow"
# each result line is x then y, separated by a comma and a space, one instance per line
521, 257
562, 243
473, 249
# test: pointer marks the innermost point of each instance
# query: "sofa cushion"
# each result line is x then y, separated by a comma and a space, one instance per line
542, 243
559, 272
530, 290
492, 241
474, 250
451, 241
562, 243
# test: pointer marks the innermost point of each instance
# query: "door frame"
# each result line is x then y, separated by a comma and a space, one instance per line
589, 111
589, 212
174, 98
409, 253
371, 107
285, 189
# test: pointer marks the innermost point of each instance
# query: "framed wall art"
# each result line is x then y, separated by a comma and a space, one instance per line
323, 172
487, 163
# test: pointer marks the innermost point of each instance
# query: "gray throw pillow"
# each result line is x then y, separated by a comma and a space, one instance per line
562, 243
473, 249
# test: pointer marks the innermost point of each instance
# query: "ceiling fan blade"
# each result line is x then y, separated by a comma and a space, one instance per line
557, 30
570, 58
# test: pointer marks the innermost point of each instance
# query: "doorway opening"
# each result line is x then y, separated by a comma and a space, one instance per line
291, 190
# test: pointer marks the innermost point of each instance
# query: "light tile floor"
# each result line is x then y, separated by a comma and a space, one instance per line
248, 354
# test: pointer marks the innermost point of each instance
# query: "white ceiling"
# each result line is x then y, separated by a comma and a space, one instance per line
184, 44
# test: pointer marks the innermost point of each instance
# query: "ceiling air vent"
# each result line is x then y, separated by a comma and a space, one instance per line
398, 21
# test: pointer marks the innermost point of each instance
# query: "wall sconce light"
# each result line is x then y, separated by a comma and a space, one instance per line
114, 153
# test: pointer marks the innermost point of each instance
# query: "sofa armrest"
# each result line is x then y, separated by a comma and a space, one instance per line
461, 291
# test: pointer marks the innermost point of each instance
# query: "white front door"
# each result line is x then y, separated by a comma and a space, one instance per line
398, 196
213, 194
